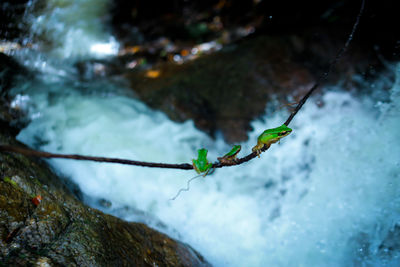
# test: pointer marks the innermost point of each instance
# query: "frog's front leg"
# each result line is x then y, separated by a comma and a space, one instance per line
257, 148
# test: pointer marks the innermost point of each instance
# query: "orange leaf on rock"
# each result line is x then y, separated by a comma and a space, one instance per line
36, 200
152, 74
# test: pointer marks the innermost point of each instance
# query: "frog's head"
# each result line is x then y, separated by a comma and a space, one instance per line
202, 154
283, 130
280, 131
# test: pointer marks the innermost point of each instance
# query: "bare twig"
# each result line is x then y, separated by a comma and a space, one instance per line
41, 154
187, 166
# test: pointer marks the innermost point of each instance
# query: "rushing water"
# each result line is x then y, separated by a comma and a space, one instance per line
71, 28
327, 195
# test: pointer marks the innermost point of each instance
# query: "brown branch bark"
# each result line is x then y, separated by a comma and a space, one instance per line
187, 166
42, 154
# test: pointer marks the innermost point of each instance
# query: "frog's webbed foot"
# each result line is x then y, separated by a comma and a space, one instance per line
260, 148
209, 171
257, 150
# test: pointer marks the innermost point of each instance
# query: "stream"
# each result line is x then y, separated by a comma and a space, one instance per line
326, 195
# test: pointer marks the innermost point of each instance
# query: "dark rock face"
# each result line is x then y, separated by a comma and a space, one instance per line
12, 26
9, 69
226, 90
42, 222
134, 21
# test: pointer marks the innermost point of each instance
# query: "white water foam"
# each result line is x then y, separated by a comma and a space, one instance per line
70, 29
328, 195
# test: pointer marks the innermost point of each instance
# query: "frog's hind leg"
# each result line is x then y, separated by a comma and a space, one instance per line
209, 172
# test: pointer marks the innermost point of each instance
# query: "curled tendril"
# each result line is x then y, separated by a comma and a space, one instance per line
187, 187
191, 179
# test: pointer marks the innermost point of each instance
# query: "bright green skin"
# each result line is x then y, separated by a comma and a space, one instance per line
271, 136
231, 155
201, 164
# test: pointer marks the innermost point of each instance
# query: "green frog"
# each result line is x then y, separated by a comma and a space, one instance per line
271, 136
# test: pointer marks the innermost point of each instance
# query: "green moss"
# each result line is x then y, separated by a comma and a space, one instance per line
22, 256
8, 180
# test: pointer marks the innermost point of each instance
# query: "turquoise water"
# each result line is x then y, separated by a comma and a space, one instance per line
327, 195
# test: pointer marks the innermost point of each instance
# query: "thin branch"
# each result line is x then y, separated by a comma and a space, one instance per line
42, 154
325, 75
187, 166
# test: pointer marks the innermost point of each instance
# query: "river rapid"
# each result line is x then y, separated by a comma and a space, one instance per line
327, 195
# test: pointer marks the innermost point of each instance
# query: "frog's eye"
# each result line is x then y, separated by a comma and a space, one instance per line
282, 133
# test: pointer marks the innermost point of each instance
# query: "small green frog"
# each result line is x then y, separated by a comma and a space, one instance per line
231, 155
201, 164
271, 136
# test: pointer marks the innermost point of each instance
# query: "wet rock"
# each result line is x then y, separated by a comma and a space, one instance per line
223, 92
12, 26
61, 231
135, 22
226, 90
9, 69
